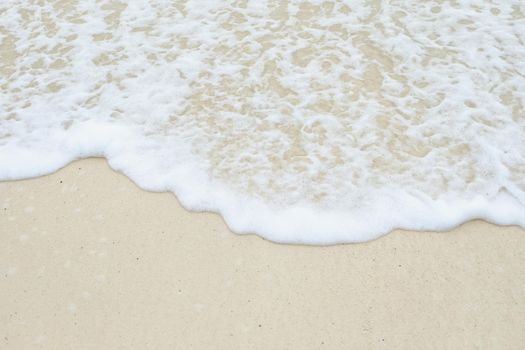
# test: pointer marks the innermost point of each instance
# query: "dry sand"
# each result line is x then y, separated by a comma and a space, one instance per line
90, 261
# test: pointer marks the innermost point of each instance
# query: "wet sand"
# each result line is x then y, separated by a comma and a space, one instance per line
90, 261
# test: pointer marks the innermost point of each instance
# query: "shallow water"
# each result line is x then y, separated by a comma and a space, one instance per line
313, 122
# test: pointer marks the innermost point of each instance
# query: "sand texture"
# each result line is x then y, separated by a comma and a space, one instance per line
90, 261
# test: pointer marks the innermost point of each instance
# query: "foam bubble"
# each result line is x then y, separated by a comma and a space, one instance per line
312, 122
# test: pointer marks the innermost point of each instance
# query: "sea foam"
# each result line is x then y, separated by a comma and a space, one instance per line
302, 121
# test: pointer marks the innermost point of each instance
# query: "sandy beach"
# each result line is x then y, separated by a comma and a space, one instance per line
369, 114
90, 261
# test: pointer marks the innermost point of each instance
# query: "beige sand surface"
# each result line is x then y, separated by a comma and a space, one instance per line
90, 261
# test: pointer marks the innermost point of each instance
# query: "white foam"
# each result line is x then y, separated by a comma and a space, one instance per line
307, 122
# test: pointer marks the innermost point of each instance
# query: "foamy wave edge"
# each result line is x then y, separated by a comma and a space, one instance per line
295, 224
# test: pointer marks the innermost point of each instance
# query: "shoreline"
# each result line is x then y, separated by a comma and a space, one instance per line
450, 228
89, 260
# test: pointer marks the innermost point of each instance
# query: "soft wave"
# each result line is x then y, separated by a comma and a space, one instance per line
312, 122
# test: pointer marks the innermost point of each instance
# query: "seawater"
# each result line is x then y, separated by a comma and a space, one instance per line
303, 121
